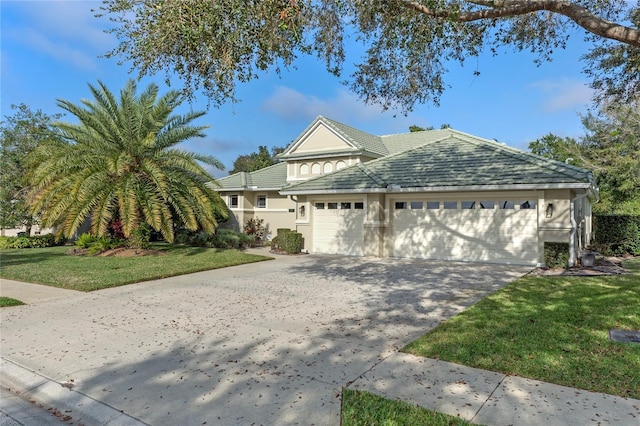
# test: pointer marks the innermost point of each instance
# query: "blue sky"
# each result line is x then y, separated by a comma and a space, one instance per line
50, 50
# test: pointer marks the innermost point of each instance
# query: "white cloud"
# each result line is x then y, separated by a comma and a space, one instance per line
60, 51
564, 94
290, 104
67, 31
72, 21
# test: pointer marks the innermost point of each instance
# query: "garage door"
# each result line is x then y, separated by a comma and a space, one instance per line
338, 227
500, 231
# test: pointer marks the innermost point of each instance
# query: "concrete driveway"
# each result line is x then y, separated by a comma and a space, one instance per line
265, 343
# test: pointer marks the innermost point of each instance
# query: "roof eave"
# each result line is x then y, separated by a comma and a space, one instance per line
311, 156
248, 189
395, 189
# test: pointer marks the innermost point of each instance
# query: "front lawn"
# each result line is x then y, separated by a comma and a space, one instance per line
549, 328
8, 301
53, 266
367, 409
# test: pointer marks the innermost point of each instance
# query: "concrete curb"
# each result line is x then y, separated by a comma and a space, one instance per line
46, 392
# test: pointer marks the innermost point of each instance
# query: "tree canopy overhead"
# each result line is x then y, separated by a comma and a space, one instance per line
212, 45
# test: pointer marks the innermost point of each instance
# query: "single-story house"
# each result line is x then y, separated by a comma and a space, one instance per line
434, 194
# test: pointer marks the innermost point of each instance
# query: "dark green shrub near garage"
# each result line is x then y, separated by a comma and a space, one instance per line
556, 255
617, 235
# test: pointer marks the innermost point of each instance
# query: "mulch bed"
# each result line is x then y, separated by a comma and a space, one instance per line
602, 266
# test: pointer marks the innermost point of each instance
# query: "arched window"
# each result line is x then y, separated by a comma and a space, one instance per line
315, 169
340, 165
328, 167
304, 169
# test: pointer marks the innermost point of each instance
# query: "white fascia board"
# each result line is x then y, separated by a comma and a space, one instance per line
393, 190
241, 189
335, 191
229, 189
312, 156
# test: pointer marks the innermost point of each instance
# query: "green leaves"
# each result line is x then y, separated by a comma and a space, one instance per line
120, 162
213, 45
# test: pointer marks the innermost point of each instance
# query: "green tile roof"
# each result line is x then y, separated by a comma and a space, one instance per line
432, 159
271, 177
455, 161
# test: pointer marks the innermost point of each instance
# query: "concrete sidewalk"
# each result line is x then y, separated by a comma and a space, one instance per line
478, 396
489, 398
268, 343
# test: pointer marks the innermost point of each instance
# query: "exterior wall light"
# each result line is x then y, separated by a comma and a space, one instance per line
302, 211
549, 211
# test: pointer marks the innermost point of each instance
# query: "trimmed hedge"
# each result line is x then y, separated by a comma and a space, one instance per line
292, 242
556, 255
617, 235
35, 241
287, 240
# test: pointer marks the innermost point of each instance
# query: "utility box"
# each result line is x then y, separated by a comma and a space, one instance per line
588, 259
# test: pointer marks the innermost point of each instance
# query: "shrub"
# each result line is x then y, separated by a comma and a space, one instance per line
36, 241
291, 242
140, 237
276, 242
202, 239
617, 235
228, 239
256, 229
556, 255
182, 237
103, 243
85, 240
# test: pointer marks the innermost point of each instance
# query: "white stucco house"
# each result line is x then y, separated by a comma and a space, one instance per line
435, 194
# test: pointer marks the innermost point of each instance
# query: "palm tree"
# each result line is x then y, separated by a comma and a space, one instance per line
121, 162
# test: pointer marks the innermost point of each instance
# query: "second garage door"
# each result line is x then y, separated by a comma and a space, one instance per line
500, 231
338, 227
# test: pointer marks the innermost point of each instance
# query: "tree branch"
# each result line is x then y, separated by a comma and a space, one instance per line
505, 8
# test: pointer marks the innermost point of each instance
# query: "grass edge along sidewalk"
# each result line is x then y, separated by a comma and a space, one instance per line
54, 267
549, 328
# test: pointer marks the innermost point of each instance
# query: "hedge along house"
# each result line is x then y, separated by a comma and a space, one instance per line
436, 194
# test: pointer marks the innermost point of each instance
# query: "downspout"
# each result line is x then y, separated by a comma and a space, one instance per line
574, 228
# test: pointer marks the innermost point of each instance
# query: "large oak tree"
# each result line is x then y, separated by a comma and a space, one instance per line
408, 44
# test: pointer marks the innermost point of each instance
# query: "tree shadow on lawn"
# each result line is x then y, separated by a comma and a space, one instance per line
14, 257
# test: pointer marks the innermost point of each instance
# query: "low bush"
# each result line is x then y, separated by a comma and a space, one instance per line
228, 239
256, 229
35, 241
276, 241
617, 235
104, 243
556, 255
140, 237
289, 241
85, 240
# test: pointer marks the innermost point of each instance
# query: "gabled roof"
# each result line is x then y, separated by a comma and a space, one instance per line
457, 161
272, 177
362, 142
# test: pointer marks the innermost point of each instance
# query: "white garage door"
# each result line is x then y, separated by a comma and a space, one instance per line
500, 231
338, 227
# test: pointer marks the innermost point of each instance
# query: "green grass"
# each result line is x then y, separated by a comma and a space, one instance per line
549, 328
367, 409
53, 266
8, 301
